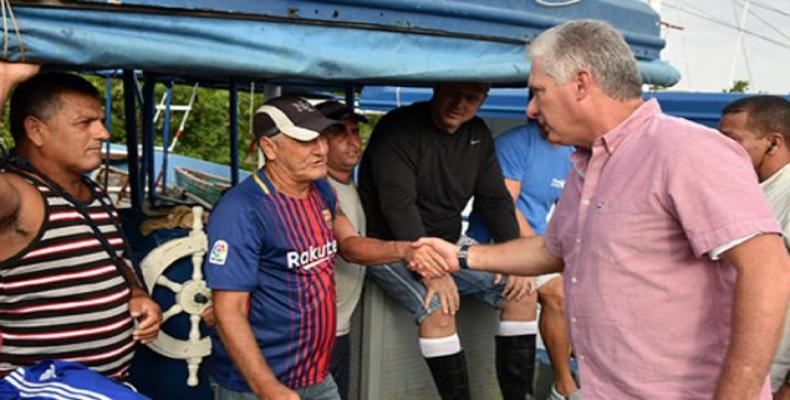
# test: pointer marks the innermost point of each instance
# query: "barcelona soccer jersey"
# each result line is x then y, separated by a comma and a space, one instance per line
281, 250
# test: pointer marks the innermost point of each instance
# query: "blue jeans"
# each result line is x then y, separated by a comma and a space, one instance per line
396, 279
325, 390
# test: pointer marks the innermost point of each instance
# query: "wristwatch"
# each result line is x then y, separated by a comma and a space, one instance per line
463, 256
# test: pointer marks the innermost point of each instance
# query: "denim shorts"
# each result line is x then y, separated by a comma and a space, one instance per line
399, 283
324, 390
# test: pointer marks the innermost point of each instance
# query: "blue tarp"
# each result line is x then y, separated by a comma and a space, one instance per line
703, 108
264, 46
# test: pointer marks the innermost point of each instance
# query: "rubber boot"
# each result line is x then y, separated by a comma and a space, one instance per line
450, 375
515, 366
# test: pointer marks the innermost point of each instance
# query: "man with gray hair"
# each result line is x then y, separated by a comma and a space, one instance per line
761, 124
676, 277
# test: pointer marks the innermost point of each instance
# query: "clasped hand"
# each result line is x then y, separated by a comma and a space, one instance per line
426, 261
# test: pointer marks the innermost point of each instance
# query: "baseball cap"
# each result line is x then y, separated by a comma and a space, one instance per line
339, 111
293, 116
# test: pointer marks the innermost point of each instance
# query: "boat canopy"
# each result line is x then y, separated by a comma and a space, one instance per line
404, 42
703, 108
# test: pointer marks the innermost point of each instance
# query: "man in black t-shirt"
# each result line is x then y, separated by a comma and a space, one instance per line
422, 165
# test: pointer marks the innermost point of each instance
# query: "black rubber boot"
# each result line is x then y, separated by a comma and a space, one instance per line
515, 366
450, 375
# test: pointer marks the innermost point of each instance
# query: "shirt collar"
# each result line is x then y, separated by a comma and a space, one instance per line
612, 139
263, 182
776, 179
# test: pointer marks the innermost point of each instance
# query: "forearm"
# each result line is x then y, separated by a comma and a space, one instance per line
131, 277
370, 251
6, 86
759, 306
239, 341
523, 256
12, 74
524, 229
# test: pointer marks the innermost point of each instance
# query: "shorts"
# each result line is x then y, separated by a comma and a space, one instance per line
399, 283
541, 280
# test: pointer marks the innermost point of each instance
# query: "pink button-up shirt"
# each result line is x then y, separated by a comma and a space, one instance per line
649, 312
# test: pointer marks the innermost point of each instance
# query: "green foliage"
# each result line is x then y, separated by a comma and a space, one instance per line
366, 129
207, 132
657, 88
738, 86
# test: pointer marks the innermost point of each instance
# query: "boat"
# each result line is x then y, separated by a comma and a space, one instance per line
205, 188
337, 45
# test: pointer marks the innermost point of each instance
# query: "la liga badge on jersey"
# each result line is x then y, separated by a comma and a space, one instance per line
219, 252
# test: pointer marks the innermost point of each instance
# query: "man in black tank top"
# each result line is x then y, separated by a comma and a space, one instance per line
66, 290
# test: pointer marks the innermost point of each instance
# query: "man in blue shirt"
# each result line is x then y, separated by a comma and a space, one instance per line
273, 240
534, 172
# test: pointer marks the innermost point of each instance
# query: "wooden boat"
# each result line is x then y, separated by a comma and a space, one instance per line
201, 186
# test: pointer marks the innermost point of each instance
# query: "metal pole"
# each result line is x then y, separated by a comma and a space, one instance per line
350, 95
149, 133
166, 134
350, 99
234, 132
738, 43
130, 117
108, 125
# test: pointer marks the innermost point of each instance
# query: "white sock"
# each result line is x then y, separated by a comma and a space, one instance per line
438, 347
517, 328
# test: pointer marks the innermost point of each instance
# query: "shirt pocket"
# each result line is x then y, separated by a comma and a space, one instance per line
618, 230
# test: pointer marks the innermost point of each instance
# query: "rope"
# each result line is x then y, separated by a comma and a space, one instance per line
5, 29
8, 13
180, 130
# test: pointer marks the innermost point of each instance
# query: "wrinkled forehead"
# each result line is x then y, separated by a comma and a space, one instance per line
73, 103
537, 74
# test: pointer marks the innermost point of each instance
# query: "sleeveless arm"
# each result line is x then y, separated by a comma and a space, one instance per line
10, 201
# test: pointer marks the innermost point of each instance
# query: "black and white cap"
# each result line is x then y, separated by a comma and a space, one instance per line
292, 116
339, 111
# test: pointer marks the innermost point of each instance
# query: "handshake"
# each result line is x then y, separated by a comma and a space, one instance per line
432, 257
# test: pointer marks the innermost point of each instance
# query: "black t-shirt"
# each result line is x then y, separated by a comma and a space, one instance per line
415, 179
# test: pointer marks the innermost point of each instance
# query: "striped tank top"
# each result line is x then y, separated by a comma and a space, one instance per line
63, 297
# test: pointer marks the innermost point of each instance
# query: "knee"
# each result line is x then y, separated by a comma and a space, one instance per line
526, 304
551, 296
438, 321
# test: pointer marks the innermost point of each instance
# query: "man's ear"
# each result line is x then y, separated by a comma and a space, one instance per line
268, 146
777, 141
36, 130
582, 82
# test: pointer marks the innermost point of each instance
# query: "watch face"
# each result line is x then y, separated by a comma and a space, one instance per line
463, 252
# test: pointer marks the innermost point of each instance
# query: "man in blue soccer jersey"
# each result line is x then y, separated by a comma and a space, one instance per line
273, 240
534, 172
